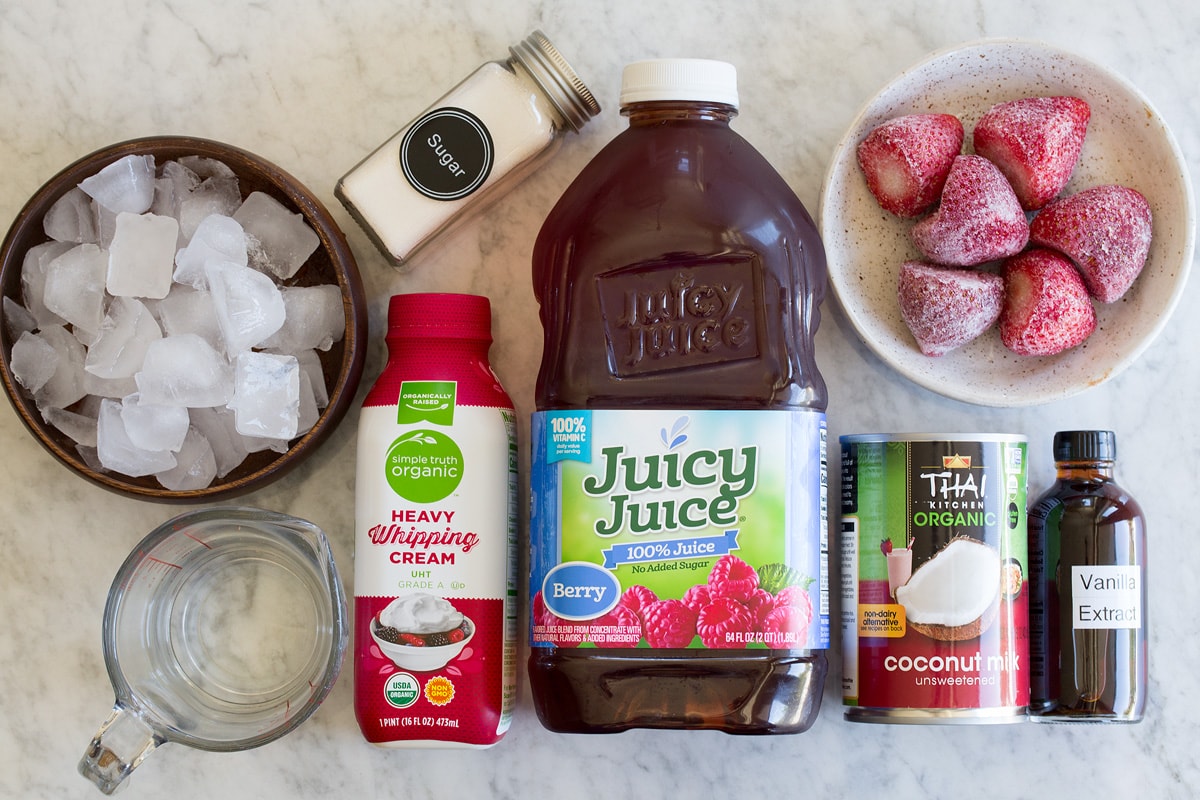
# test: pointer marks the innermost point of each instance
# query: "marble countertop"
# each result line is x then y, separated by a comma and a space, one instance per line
314, 86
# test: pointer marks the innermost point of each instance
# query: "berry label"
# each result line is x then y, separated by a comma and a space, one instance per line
679, 529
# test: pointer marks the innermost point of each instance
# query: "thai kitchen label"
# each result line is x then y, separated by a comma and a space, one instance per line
933, 548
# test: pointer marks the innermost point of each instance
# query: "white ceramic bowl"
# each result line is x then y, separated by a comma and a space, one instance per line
421, 659
1127, 143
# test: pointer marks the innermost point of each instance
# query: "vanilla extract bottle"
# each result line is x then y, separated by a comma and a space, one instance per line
1088, 601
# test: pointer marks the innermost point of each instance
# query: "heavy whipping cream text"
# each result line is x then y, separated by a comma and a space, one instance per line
397, 533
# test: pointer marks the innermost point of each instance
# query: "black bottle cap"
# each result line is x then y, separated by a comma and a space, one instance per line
1085, 446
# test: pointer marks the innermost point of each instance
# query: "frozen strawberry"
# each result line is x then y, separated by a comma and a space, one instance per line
979, 218
945, 307
906, 160
1035, 141
1105, 230
1047, 308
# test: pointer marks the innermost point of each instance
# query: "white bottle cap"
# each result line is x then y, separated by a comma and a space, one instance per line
690, 79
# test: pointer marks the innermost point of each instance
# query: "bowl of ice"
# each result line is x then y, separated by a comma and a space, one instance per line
182, 319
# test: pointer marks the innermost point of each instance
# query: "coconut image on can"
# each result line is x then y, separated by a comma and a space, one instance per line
933, 551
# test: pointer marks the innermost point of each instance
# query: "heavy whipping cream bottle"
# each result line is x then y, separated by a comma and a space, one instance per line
435, 534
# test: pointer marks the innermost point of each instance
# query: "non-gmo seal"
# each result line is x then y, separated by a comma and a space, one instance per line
447, 154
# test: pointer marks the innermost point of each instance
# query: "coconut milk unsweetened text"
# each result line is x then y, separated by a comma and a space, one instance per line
435, 534
934, 566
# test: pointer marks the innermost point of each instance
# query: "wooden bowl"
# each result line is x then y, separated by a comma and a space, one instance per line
333, 262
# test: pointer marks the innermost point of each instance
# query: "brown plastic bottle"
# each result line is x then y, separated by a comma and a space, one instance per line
1088, 601
680, 280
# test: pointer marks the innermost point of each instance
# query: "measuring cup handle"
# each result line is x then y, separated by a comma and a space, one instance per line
122, 743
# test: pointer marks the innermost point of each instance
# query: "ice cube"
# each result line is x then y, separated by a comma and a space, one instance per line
72, 218
154, 427
308, 413
217, 238
185, 370
107, 387
106, 226
314, 319
90, 457
33, 361
176, 183
248, 303
81, 428
266, 397
195, 468
18, 319
280, 240
66, 386
310, 362
187, 310
142, 256
216, 195
124, 185
217, 425
124, 336
118, 453
204, 167
33, 280
75, 286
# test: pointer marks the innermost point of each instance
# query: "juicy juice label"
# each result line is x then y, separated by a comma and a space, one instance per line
935, 603
434, 571
674, 529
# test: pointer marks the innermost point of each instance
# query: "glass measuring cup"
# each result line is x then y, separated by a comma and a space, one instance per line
224, 629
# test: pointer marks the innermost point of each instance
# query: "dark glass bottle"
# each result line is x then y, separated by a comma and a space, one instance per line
1087, 548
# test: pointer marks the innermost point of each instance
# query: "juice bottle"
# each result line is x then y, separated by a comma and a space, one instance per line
435, 534
1088, 602
678, 521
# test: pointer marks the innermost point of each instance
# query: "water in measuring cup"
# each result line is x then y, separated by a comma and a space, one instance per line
232, 632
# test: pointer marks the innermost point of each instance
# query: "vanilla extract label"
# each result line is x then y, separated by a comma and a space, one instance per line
1106, 597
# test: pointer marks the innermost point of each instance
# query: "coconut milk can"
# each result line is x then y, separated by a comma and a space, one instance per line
934, 565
